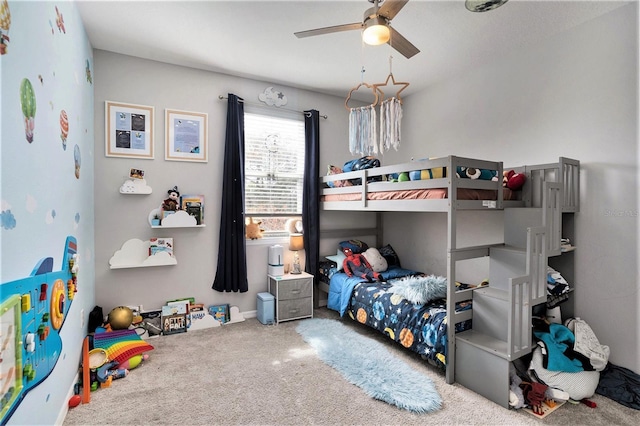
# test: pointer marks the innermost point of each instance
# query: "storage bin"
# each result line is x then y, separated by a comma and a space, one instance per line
266, 308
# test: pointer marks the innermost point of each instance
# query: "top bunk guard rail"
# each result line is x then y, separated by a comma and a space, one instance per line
374, 180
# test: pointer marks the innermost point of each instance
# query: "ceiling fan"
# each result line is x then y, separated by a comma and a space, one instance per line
376, 27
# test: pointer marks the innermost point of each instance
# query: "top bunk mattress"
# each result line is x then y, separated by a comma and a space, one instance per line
424, 194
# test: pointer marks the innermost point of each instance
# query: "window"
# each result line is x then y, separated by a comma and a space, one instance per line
274, 170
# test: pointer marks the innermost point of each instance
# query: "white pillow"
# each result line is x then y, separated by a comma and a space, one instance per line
339, 259
375, 259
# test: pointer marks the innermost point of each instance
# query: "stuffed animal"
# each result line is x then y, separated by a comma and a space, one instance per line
293, 226
253, 229
172, 203
473, 173
358, 266
513, 180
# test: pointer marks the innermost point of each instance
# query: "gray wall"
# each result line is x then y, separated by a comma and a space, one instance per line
576, 96
122, 217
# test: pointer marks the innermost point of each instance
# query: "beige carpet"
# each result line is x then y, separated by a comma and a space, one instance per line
251, 374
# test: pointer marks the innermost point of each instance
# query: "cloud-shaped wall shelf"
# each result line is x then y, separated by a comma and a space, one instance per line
135, 186
179, 219
135, 254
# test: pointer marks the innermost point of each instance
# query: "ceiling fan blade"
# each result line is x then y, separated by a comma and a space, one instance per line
327, 30
390, 8
401, 44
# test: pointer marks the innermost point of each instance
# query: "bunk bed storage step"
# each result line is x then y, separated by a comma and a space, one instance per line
482, 370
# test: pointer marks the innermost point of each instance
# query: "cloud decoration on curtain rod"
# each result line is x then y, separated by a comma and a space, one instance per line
272, 97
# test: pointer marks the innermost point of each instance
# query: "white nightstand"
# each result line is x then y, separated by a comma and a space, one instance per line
293, 294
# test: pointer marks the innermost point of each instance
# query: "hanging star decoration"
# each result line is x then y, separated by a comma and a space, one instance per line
404, 85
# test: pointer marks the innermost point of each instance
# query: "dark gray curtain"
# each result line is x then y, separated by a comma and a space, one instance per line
311, 190
231, 272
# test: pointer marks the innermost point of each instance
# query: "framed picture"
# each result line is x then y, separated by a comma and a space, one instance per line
186, 136
128, 130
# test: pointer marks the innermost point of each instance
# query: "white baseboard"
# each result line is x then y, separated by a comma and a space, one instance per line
65, 407
250, 314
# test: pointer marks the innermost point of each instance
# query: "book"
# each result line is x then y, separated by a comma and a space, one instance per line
174, 319
184, 306
159, 245
194, 206
220, 312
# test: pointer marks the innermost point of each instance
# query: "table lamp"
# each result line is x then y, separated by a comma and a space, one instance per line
296, 243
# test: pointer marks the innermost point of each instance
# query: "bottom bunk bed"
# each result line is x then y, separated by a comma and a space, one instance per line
407, 306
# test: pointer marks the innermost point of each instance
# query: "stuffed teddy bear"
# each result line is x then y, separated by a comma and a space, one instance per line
358, 266
513, 180
253, 230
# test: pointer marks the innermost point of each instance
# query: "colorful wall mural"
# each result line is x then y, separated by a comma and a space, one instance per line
46, 206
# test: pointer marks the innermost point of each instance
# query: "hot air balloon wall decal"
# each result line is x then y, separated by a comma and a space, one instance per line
28, 102
5, 23
64, 128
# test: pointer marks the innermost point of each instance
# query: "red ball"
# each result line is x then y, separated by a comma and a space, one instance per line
74, 401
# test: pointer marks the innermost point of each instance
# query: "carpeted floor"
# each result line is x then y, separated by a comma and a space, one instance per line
251, 374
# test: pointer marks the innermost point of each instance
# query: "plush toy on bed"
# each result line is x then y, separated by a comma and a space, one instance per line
513, 180
473, 173
358, 266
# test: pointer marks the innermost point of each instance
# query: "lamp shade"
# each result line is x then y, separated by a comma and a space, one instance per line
376, 31
296, 242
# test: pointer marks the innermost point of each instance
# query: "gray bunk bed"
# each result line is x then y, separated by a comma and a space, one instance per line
533, 221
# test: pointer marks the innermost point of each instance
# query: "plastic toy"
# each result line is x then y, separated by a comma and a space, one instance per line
33, 310
74, 401
133, 362
109, 371
120, 318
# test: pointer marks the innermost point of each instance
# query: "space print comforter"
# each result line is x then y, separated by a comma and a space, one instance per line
420, 328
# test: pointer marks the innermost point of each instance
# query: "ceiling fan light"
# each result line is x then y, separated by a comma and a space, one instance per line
376, 32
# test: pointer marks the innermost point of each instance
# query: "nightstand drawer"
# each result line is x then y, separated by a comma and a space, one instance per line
294, 308
295, 289
294, 296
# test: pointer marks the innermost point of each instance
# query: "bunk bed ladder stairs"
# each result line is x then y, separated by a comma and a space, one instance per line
502, 311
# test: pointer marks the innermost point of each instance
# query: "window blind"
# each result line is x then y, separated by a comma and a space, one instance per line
274, 165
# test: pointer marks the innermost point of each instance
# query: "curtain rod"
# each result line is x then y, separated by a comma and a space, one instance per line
264, 106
